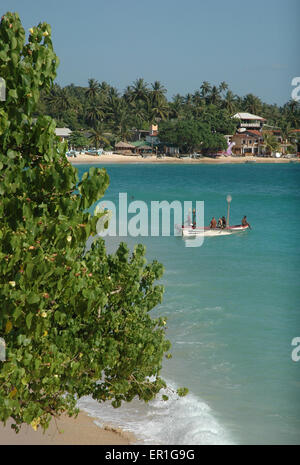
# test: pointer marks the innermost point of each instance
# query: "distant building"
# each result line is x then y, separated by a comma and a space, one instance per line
247, 143
249, 121
63, 133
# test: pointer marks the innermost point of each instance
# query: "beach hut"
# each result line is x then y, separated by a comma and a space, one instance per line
124, 148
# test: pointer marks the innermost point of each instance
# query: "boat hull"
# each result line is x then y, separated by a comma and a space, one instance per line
188, 231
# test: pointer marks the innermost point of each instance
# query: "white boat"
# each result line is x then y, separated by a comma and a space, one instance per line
190, 231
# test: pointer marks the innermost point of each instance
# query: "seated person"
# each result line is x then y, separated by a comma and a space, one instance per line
224, 222
245, 222
213, 223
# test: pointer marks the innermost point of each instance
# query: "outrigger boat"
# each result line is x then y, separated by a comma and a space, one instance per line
191, 230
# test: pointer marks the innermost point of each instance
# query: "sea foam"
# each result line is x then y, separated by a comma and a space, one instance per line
179, 421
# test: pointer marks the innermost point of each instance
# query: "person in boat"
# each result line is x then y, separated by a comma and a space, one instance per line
194, 219
223, 222
213, 223
220, 223
245, 222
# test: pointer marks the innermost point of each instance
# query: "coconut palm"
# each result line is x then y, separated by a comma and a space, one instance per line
97, 136
59, 100
176, 106
205, 89
230, 102
138, 91
93, 90
223, 86
252, 104
157, 94
94, 114
214, 96
270, 142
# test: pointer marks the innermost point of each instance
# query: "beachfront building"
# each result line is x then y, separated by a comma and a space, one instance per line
249, 121
249, 136
63, 133
248, 143
124, 148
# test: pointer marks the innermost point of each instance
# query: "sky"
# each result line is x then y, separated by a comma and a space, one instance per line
251, 45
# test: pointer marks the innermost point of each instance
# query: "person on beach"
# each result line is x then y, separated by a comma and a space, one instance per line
213, 223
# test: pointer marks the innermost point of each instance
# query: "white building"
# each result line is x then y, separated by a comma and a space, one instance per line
249, 121
63, 133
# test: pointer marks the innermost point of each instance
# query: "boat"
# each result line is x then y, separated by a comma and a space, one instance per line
190, 231
94, 152
190, 228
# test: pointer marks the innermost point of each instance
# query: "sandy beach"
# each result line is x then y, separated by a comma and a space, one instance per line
66, 431
117, 158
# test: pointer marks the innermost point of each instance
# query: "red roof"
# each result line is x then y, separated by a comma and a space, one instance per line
255, 132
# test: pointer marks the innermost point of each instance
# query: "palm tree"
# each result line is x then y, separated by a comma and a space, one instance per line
205, 89
94, 114
176, 106
214, 96
270, 142
252, 104
223, 86
97, 136
138, 91
59, 100
157, 94
93, 90
160, 111
230, 102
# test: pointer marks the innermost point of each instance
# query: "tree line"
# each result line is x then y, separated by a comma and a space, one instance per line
110, 115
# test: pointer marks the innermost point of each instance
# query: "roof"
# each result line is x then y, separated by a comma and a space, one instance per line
124, 145
248, 116
254, 132
139, 143
145, 147
63, 132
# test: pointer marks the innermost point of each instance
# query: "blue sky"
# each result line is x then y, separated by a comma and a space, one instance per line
252, 45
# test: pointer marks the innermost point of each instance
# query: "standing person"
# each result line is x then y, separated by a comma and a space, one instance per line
213, 223
194, 218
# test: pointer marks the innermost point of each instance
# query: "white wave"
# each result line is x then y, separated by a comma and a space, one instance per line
178, 421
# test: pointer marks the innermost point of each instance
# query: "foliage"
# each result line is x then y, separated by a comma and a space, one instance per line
74, 324
270, 142
190, 135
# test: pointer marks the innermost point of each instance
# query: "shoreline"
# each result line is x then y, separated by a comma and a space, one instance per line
67, 431
130, 159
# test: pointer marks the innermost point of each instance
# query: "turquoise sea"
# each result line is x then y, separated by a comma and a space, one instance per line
232, 307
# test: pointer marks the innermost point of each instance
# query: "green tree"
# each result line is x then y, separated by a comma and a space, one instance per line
97, 136
252, 104
92, 92
74, 323
270, 142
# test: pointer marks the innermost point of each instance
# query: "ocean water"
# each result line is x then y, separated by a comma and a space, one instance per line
232, 307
